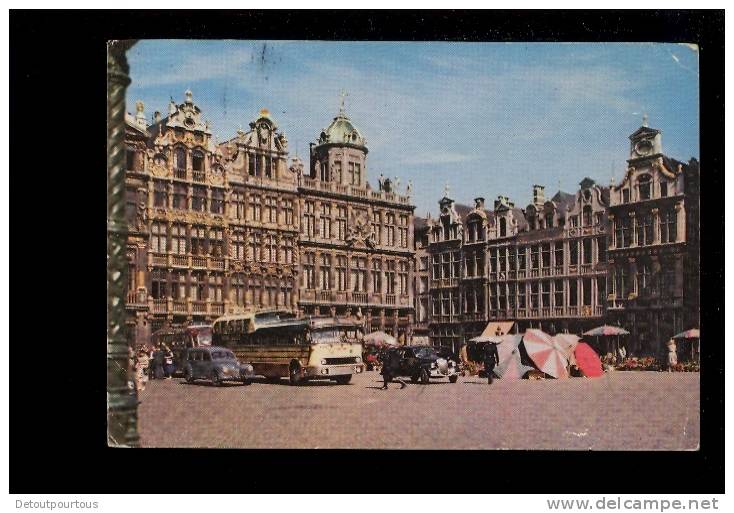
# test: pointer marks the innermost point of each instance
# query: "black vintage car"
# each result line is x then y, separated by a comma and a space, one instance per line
421, 363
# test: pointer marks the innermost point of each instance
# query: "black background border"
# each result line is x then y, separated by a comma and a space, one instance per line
58, 128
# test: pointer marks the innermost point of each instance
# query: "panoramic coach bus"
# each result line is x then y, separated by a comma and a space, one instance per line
278, 344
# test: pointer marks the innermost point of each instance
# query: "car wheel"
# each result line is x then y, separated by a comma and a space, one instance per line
453, 379
189, 376
414, 378
344, 380
215, 379
425, 376
294, 377
246, 381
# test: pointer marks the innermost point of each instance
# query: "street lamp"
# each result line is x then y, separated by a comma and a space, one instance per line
122, 401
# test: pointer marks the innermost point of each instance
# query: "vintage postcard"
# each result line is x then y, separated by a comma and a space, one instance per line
404, 245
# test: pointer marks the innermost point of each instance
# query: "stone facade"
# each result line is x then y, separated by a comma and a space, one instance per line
356, 242
542, 267
654, 245
625, 254
223, 227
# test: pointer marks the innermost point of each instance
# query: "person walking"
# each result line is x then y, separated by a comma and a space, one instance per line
141, 365
390, 365
672, 355
491, 358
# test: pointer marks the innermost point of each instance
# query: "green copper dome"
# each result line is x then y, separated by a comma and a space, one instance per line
341, 131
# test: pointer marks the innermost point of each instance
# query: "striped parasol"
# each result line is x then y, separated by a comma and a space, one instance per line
692, 333
606, 330
547, 355
567, 341
510, 366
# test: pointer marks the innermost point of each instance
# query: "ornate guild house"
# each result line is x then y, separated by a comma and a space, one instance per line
654, 244
226, 227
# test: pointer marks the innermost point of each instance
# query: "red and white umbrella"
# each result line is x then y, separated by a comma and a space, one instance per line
567, 342
547, 355
607, 331
510, 365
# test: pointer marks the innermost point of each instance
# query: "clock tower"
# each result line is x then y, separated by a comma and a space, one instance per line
645, 142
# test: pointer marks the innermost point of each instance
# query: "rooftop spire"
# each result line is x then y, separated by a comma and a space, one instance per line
343, 95
644, 119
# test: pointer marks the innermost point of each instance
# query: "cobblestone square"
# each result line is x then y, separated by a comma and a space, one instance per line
619, 411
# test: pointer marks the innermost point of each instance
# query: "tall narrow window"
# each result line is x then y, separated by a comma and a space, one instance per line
503, 227
558, 253
252, 166
574, 251
198, 202
325, 272
178, 239
586, 214
325, 221
309, 270
198, 240
668, 226
558, 293
663, 189
268, 167
217, 205
160, 194
390, 277
549, 220
197, 165
403, 277
644, 184
309, 219
158, 237
180, 201
180, 163
376, 276
159, 285
341, 272
546, 252
586, 245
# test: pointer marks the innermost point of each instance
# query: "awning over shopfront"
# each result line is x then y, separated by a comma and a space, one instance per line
493, 331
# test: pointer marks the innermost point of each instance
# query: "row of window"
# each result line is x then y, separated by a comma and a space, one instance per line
475, 232
179, 198
265, 209
335, 174
645, 189
639, 230
546, 293
538, 256
202, 240
181, 285
644, 282
335, 273
331, 223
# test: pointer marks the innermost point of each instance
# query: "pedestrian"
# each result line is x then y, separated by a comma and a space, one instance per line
168, 367
491, 358
390, 365
672, 355
141, 365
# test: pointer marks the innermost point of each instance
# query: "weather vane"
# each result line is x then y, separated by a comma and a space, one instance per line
343, 95
446, 190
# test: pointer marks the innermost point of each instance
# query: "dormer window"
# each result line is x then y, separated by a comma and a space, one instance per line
644, 187
549, 220
663, 189
503, 227
625, 195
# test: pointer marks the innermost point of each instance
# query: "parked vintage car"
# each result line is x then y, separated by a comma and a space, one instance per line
421, 363
217, 364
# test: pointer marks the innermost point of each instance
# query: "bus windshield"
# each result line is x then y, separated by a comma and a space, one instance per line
326, 335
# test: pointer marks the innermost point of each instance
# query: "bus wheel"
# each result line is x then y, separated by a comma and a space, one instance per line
425, 377
294, 374
189, 377
344, 380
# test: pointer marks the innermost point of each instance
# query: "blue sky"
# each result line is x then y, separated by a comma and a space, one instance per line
488, 118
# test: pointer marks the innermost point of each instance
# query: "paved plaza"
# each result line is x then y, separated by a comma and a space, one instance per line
621, 410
